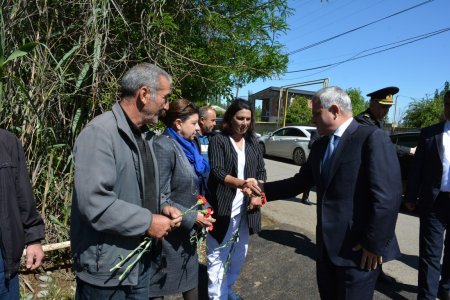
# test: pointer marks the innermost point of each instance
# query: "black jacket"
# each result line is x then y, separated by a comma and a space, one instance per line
359, 198
425, 175
20, 223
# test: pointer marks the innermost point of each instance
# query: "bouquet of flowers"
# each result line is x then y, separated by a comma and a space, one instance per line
200, 234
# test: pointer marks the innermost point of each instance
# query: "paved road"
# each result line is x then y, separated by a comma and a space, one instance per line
281, 259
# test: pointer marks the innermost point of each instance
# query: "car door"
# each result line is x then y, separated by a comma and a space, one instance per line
273, 142
294, 138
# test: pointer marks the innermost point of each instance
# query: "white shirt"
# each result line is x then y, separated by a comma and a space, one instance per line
341, 129
445, 181
236, 207
337, 137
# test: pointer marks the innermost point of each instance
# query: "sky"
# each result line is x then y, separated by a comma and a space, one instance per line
417, 68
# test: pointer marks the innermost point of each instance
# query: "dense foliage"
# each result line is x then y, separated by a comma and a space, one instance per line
425, 112
298, 112
358, 103
60, 63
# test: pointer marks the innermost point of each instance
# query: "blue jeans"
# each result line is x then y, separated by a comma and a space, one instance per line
9, 288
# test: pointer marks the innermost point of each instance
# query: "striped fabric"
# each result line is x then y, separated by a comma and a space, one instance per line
223, 161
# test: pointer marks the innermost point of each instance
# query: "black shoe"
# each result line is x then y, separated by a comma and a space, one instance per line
386, 278
443, 294
306, 201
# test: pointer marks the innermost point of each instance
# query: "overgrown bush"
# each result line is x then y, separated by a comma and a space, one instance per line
66, 58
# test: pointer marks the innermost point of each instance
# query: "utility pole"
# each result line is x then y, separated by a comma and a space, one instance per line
324, 81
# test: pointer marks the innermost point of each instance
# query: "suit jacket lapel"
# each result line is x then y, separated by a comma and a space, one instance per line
339, 151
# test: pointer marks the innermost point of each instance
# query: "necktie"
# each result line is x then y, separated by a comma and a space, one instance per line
329, 153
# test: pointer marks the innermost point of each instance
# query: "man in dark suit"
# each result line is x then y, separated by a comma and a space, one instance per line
429, 182
380, 102
312, 139
357, 175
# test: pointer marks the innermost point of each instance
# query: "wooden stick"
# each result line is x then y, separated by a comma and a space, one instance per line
52, 247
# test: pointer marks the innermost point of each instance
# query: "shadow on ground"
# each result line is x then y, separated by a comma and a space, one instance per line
281, 265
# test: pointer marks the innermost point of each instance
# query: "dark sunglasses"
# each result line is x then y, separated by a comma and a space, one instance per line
189, 104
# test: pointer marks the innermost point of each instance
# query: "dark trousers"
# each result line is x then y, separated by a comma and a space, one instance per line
339, 283
86, 291
9, 288
433, 225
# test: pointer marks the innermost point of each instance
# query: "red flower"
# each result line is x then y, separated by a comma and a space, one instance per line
201, 200
263, 198
207, 212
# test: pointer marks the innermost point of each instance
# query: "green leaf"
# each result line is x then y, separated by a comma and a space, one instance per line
75, 122
56, 221
81, 77
67, 55
23, 50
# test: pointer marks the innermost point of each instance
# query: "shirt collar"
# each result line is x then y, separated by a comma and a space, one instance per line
341, 129
134, 128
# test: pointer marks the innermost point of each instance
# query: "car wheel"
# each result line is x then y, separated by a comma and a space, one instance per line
299, 156
263, 148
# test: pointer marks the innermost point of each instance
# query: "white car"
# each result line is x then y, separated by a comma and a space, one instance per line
289, 142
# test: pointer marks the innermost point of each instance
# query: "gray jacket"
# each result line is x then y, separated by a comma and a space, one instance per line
107, 219
175, 269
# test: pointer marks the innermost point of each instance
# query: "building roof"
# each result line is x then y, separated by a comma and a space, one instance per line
277, 89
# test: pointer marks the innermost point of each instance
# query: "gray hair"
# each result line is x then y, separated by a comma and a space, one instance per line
203, 111
334, 95
143, 74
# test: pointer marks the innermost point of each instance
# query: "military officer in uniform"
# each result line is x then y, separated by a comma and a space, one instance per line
380, 102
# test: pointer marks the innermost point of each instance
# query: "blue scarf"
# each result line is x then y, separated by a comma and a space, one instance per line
200, 164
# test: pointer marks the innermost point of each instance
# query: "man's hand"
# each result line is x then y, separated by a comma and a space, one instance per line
204, 222
35, 255
251, 187
369, 260
160, 226
173, 213
254, 202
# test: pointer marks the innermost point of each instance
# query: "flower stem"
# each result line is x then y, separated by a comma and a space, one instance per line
120, 264
128, 269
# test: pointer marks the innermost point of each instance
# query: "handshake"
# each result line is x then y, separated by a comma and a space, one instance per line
251, 188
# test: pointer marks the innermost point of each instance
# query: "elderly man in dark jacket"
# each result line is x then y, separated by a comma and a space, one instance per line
20, 223
357, 175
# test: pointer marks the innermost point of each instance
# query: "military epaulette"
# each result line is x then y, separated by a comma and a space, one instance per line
367, 116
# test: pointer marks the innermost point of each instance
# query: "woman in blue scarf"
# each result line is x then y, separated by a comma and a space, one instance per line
182, 179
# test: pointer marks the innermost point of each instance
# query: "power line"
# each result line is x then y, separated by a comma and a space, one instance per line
333, 22
357, 28
359, 56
